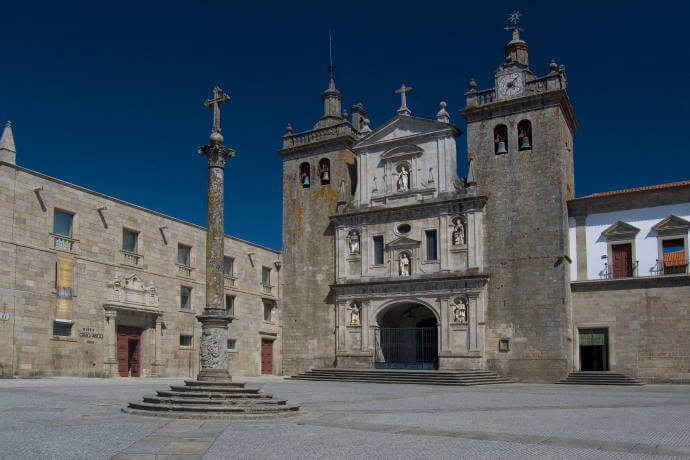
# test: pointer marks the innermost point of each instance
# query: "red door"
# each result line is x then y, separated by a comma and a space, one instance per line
622, 260
266, 356
128, 351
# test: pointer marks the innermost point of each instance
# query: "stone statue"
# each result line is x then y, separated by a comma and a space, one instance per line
404, 265
459, 233
354, 242
403, 180
460, 311
356, 315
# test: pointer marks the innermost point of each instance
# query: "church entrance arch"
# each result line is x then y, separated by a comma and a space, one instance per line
406, 337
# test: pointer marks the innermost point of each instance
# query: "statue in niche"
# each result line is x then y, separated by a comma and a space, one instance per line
374, 188
356, 315
460, 311
353, 238
403, 179
458, 233
404, 264
431, 176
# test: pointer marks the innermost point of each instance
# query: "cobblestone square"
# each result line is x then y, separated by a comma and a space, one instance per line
65, 418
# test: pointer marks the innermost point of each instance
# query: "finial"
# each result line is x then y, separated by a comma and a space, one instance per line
514, 18
365, 127
473, 84
8, 124
403, 110
553, 67
7, 139
442, 114
219, 97
288, 129
345, 114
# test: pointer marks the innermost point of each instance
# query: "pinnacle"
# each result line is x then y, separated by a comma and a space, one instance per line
7, 139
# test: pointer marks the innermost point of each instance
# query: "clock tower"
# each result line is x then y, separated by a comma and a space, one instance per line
520, 151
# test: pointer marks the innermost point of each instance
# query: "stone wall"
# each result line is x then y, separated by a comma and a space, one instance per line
28, 283
648, 320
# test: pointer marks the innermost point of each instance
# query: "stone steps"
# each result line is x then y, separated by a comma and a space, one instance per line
210, 402
599, 378
200, 394
457, 378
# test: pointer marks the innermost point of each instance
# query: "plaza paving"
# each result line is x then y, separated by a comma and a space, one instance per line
81, 418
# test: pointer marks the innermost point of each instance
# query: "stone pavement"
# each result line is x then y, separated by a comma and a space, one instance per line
81, 418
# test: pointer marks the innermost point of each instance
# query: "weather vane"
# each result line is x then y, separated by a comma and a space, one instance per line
514, 18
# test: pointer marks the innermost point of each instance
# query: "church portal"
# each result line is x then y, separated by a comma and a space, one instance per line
407, 338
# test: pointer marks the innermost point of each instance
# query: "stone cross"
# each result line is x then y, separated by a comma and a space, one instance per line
218, 98
403, 110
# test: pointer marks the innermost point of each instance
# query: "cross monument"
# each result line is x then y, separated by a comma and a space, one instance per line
403, 110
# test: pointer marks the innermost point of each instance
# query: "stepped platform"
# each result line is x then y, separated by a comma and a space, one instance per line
211, 400
417, 377
599, 378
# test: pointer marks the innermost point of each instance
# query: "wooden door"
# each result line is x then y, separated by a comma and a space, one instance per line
622, 260
128, 351
266, 356
122, 354
134, 347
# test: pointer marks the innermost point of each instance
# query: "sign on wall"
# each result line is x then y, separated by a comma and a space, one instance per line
63, 288
90, 333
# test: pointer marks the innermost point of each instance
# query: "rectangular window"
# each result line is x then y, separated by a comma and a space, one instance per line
232, 344
62, 223
184, 255
268, 310
230, 304
265, 276
62, 329
185, 340
185, 297
129, 240
228, 263
674, 256
378, 250
431, 246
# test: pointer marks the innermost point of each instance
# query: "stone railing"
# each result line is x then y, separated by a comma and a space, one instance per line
318, 135
230, 281
184, 270
130, 258
551, 82
63, 243
266, 289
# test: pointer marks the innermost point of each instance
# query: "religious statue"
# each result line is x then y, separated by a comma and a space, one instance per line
404, 265
460, 311
356, 315
354, 242
403, 180
459, 233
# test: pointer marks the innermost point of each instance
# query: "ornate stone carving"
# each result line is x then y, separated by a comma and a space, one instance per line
356, 315
404, 264
459, 235
213, 349
353, 242
403, 179
460, 310
132, 289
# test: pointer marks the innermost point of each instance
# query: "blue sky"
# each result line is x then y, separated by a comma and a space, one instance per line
109, 97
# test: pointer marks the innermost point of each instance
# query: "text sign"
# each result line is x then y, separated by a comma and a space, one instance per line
90, 333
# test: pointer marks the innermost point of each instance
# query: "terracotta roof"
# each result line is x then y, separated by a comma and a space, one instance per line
684, 183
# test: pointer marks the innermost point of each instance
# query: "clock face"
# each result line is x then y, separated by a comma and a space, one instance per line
510, 85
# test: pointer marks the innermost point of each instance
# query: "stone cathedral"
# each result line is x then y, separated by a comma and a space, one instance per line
389, 259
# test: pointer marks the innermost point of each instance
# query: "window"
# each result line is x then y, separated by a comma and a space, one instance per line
500, 139
404, 228
621, 264
268, 311
185, 297
265, 276
232, 344
184, 255
129, 240
325, 171
524, 135
228, 263
674, 256
304, 175
62, 223
431, 249
185, 340
62, 328
378, 250
230, 304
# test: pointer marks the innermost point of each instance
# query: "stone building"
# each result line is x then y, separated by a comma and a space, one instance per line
92, 285
392, 261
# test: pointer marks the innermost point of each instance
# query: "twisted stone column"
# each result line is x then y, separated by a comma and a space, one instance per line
214, 320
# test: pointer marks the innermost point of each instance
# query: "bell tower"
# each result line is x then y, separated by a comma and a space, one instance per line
318, 176
520, 149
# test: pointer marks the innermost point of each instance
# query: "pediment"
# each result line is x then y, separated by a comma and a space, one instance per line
402, 151
403, 242
404, 127
620, 230
135, 283
671, 225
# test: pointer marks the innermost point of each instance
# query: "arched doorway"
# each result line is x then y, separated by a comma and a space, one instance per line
406, 337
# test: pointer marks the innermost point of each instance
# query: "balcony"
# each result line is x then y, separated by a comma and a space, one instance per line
267, 289
230, 281
184, 270
63, 243
131, 258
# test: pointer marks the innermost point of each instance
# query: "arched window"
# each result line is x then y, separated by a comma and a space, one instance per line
500, 139
524, 135
304, 175
325, 171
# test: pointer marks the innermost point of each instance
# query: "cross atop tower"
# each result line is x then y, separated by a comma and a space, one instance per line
403, 110
218, 98
514, 18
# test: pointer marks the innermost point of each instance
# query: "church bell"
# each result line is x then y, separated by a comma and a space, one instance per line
305, 180
524, 143
325, 176
501, 147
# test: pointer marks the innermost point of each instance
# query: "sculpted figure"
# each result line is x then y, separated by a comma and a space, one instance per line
404, 265
460, 312
459, 233
355, 315
354, 242
404, 179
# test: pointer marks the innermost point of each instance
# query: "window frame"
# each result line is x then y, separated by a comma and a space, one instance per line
426, 245
136, 233
374, 252
232, 349
189, 254
264, 279
504, 127
232, 267
304, 172
72, 215
231, 310
65, 324
268, 307
530, 135
191, 341
189, 298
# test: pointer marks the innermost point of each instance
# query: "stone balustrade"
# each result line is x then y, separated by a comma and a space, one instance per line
184, 270
550, 82
318, 135
131, 258
63, 243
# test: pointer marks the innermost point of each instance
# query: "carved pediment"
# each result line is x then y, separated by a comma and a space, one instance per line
620, 230
403, 242
132, 290
134, 283
672, 225
402, 151
403, 127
